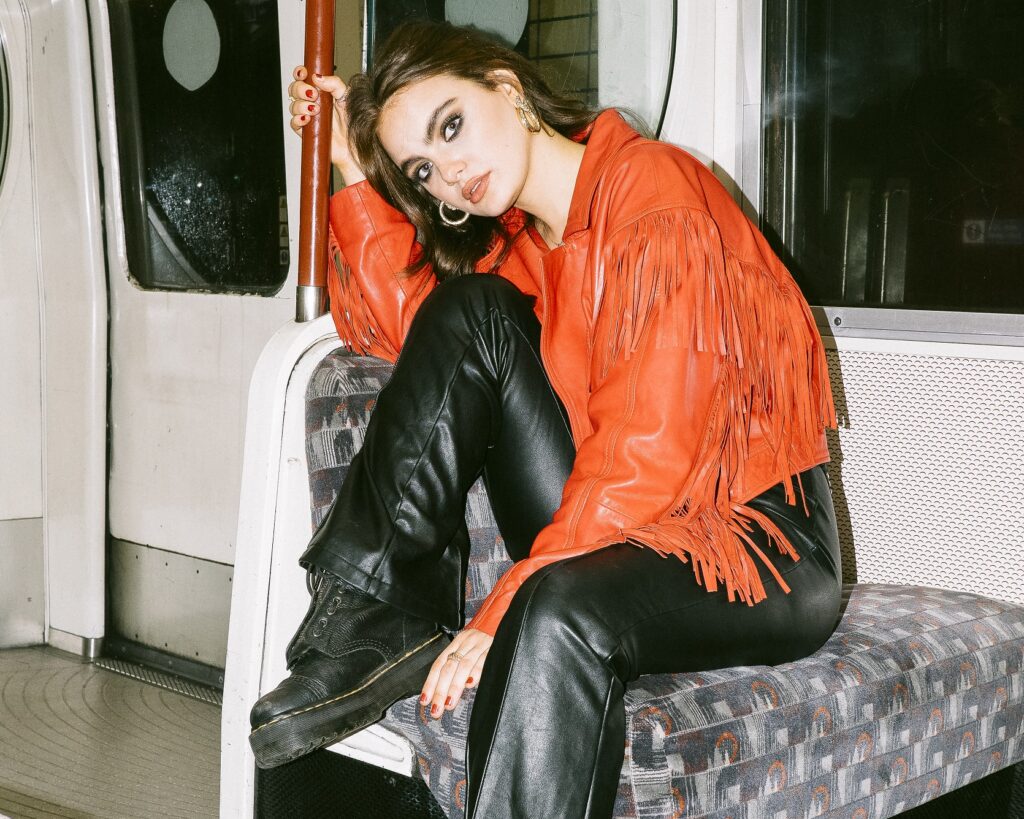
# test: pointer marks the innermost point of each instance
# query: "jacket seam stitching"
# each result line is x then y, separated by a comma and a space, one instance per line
609, 447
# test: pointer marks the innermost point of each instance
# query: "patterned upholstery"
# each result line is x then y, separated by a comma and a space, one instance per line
918, 692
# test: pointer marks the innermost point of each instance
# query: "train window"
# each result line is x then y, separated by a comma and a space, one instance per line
894, 151
198, 95
605, 52
5, 114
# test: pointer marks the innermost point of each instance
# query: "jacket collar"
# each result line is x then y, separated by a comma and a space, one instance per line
608, 133
602, 139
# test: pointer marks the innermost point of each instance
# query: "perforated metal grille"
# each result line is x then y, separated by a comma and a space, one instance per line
927, 470
171, 682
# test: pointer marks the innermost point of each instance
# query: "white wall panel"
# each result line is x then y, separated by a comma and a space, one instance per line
690, 119
51, 238
21, 582
180, 369
715, 100
74, 317
21, 493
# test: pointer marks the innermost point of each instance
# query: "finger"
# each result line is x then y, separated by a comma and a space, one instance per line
332, 85
441, 698
476, 671
300, 107
299, 72
430, 686
453, 673
456, 687
298, 122
302, 91
468, 671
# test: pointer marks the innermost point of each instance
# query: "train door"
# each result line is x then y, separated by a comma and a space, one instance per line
201, 187
52, 333
200, 276
21, 489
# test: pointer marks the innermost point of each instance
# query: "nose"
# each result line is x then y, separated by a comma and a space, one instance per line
451, 172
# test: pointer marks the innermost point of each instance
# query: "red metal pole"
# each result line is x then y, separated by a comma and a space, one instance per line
311, 295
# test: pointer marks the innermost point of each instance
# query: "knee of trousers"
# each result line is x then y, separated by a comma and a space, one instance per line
556, 616
466, 301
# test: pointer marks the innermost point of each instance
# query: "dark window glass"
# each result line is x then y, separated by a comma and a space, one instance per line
894, 151
198, 97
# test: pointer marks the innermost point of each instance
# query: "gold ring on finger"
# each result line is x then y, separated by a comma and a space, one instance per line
454, 655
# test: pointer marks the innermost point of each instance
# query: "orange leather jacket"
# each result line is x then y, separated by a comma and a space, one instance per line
682, 349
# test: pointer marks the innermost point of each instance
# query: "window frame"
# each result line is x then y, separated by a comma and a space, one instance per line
957, 326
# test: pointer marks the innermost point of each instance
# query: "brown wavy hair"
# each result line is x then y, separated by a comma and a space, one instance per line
417, 51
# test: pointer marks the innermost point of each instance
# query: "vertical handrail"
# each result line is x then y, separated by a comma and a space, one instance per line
311, 293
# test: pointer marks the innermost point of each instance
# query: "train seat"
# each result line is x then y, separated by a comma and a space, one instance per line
918, 692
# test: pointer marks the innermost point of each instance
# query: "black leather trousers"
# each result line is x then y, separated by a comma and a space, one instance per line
469, 396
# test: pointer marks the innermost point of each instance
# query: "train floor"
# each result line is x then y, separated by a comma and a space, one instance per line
77, 740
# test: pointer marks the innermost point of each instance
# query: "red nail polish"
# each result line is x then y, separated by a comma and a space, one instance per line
447, 701
310, 108
469, 681
423, 698
309, 93
433, 710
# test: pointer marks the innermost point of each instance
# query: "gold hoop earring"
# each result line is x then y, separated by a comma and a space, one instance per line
451, 222
527, 115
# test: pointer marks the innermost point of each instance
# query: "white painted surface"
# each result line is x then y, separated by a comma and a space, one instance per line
274, 525
634, 45
21, 488
74, 326
715, 104
21, 582
181, 363
690, 120
173, 602
50, 217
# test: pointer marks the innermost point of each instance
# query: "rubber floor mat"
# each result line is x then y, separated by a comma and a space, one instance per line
80, 741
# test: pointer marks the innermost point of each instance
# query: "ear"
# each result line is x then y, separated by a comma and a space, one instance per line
507, 84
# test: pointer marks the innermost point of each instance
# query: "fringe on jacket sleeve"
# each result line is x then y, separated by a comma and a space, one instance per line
372, 300
358, 329
753, 315
668, 286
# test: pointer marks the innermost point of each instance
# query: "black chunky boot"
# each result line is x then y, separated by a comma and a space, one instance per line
352, 657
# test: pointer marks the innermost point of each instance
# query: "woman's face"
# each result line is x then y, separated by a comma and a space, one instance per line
460, 140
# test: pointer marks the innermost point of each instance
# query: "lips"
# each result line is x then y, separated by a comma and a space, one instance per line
476, 187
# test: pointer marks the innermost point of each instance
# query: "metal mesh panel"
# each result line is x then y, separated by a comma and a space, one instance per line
325, 785
171, 682
927, 470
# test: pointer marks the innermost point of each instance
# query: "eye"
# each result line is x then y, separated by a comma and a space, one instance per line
451, 127
422, 173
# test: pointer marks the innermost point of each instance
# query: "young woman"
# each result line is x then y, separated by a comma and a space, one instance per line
586, 318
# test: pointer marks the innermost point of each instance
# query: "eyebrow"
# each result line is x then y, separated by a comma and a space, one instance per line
427, 134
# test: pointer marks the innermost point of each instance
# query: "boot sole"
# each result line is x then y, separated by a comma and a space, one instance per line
303, 730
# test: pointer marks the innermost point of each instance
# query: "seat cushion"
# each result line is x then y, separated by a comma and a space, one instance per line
918, 691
